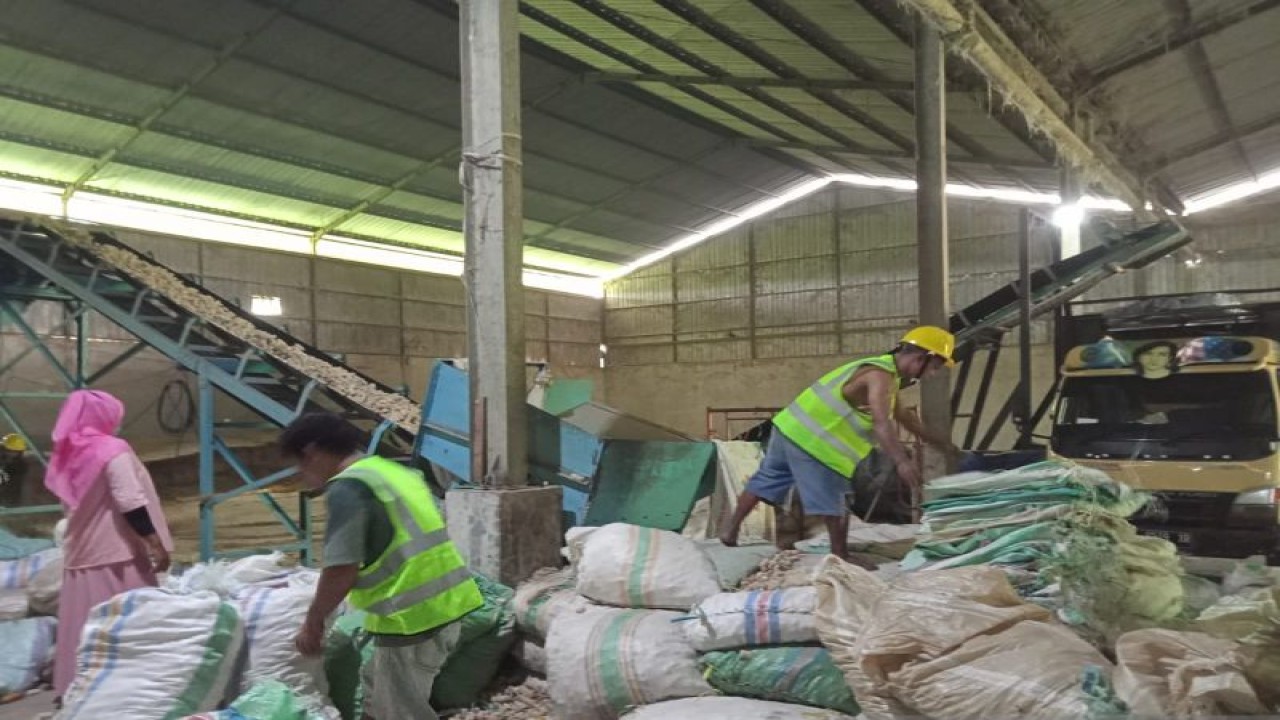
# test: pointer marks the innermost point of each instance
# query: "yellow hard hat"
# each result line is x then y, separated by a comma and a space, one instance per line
933, 340
13, 442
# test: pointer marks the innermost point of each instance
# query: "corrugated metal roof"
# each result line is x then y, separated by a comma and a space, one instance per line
300, 113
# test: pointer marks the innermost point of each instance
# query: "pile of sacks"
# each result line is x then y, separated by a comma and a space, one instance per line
30, 579
219, 631
486, 637
1059, 530
640, 626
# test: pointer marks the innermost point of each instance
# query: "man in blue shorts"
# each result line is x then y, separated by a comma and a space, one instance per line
820, 438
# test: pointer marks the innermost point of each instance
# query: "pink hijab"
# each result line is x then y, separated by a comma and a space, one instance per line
84, 442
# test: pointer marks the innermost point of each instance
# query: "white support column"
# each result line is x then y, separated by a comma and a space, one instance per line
491, 180
931, 223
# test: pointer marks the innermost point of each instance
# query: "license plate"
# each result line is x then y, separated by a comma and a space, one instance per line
1177, 538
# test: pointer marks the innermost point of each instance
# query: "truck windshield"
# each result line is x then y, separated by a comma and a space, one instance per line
1191, 406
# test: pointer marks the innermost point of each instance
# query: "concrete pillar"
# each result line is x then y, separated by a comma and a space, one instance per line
491, 180
505, 529
931, 223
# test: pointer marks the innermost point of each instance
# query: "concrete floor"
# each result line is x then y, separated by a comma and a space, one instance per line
28, 708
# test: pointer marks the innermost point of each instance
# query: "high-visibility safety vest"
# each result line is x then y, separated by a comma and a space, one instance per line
420, 581
822, 423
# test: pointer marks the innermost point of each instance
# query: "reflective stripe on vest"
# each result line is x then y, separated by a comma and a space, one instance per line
822, 423
420, 581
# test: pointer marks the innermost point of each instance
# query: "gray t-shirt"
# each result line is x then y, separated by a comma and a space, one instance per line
358, 529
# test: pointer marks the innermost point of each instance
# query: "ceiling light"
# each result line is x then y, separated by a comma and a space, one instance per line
719, 227
1068, 216
1231, 193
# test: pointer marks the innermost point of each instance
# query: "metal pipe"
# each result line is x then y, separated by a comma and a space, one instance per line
1024, 323
931, 222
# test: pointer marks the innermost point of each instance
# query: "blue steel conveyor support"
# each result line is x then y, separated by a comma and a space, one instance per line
158, 306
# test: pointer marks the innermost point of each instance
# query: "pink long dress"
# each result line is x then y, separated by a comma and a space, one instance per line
102, 555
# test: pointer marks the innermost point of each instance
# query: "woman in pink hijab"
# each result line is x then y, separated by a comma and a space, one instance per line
117, 538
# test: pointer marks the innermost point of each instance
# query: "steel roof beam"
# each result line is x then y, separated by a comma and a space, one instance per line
804, 28
637, 30
1207, 81
1212, 143
975, 36
380, 102
1033, 38
706, 23
893, 19
985, 160
219, 59
1159, 45
746, 82
450, 7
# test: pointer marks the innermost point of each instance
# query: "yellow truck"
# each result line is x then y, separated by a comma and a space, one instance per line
1192, 419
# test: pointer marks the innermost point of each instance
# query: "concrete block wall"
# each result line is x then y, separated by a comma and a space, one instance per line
387, 323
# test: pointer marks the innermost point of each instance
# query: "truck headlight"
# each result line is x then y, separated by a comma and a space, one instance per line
1261, 496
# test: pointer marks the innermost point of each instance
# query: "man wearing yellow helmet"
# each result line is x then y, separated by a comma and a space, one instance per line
820, 438
13, 469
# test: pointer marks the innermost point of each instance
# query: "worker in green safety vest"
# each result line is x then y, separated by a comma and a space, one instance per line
820, 438
387, 552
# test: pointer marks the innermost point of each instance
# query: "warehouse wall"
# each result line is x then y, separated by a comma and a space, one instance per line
752, 317
388, 324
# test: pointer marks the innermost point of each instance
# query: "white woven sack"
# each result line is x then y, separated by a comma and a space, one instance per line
606, 661
273, 614
638, 567
44, 589
28, 648
730, 708
150, 654
752, 619
542, 598
17, 574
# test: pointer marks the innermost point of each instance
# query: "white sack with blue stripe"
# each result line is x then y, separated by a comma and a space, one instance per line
273, 612
753, 619
606, 661
27, 649
17, 574
638, 567
151, 654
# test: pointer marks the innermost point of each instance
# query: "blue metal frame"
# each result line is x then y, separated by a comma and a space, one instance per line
82, 293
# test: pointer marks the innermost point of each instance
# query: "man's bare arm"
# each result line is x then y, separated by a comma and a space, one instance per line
909, 420
879, 387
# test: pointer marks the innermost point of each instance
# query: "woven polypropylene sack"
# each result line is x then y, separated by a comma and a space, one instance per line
17, 574
1166, 673
797, 674
486, 635
632, 566
730, 708
752, 619
151, 655
541, 598
28, 647
44, 589
273, 616
1030, 670
605, 661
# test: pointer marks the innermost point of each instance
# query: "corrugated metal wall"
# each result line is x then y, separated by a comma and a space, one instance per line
833, 274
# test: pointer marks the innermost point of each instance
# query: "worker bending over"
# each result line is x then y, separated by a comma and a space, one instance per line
387, 552
820, 438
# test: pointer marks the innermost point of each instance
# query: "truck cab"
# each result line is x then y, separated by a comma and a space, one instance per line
1194, 420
